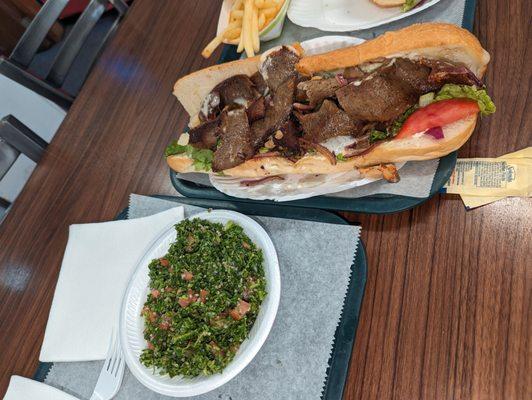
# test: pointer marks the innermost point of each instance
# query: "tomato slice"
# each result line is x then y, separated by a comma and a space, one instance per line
439, 113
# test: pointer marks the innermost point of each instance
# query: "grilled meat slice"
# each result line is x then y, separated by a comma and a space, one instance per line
317, 90
235, 145
237, 90
205, 135
259, 83
278, 110
377, 98
414, 74
329, 121
289, 137
278, 67
443, 72
256, 110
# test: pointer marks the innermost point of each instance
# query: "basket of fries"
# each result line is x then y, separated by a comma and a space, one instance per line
245, 23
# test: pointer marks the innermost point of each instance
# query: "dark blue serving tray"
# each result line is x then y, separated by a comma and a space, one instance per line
375, 204
344, 338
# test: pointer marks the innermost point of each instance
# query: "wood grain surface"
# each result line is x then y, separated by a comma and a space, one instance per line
446, 313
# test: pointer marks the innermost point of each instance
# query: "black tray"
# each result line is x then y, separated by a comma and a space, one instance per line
376, 204
344, 337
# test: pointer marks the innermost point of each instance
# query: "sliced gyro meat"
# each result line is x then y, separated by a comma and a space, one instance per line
278, 111
205, 135
329, 121
278, 65
235, 145
257, 109
381, 98
259, 83
237, 90
287, 137
317, 90
414, 74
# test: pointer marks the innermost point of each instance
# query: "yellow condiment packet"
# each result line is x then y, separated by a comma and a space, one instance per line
480, 181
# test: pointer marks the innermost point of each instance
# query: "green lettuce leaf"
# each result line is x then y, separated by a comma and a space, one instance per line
341, 157
451, 91
202, 157
393, 129
376, 135
409, 4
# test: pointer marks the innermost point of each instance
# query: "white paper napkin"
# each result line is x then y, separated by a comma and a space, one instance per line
26, 389
98, 262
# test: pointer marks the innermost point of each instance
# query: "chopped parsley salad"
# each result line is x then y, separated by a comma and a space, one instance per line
204, 297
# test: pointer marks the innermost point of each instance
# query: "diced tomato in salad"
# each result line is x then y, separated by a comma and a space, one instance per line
439, 113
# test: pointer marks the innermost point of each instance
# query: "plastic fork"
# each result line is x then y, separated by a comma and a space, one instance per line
112, 373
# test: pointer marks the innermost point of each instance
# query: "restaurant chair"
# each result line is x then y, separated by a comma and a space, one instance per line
16, 139
16, 66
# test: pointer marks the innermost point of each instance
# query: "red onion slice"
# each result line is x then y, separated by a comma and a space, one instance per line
324, 151
268, 154
303, 107
255, 182
342, 81
436, 132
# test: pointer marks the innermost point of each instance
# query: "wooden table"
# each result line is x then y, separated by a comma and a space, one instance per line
447, 303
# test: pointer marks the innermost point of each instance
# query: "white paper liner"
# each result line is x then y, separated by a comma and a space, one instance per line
293, 186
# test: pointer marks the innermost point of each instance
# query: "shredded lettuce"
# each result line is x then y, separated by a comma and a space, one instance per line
202, 157
393, 129
451, 91
409, 4
426, 99
376, 135
341, 157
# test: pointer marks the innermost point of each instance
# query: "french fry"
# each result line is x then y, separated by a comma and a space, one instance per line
261, 21
238, 4
236, 14
259, 3
247, 33
270, 12
240, 47
268, 4
255, 29
214, 43
233, 33
233, 25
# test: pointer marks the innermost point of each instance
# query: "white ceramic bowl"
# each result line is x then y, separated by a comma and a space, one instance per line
132, 324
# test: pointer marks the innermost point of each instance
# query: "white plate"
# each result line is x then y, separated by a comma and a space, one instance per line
346, 15
132, 324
